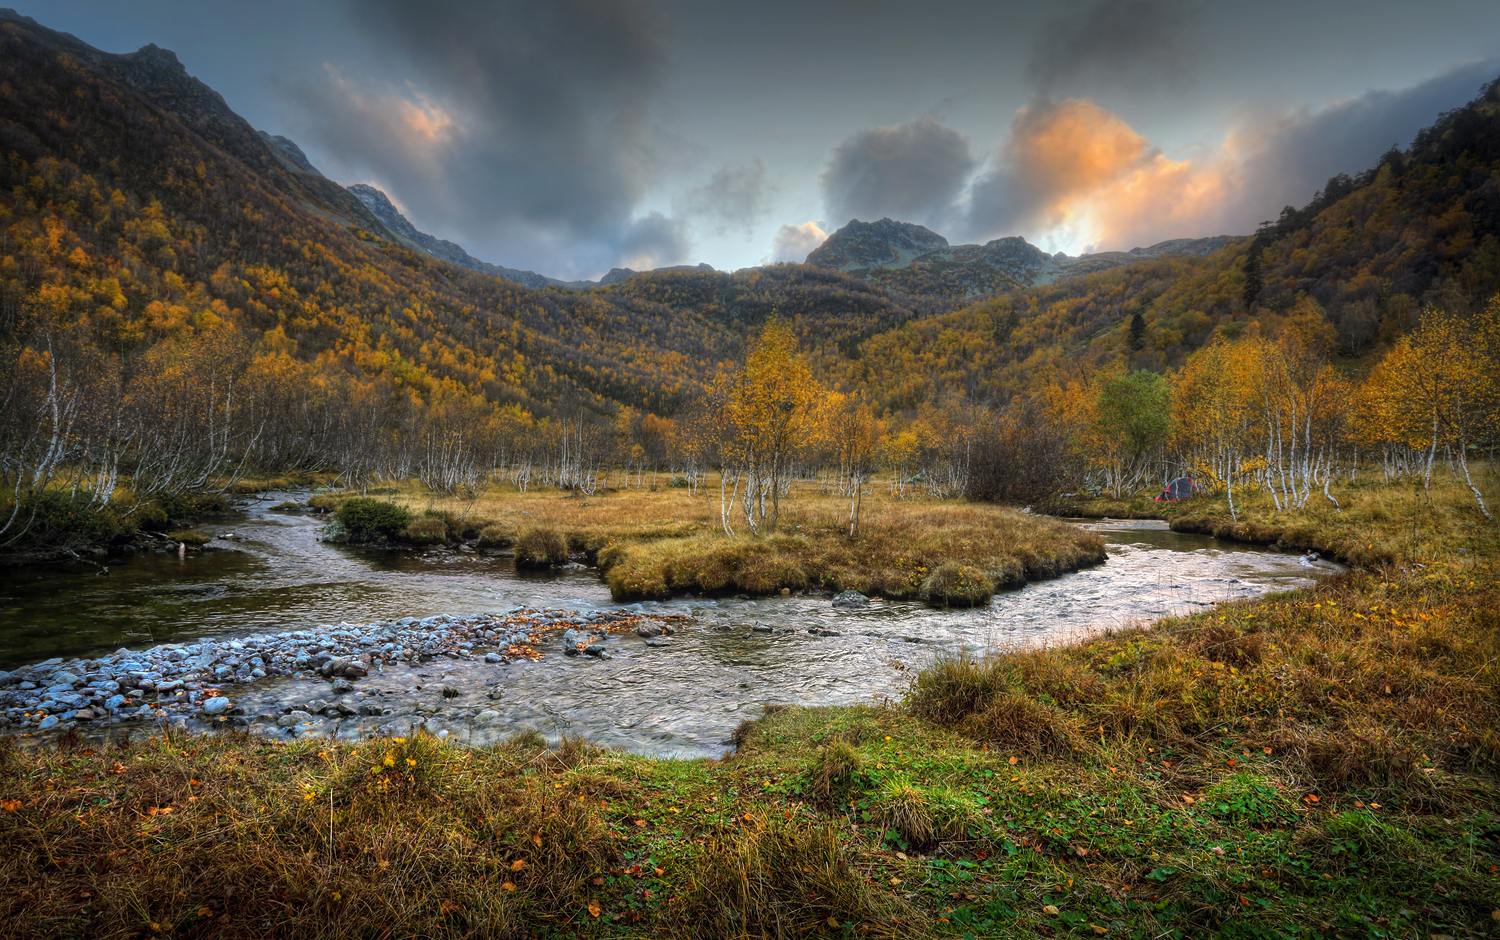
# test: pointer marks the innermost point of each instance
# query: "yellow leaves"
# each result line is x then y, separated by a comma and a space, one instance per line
10, 806
1051, 910
508, 886
594, 909
518, 864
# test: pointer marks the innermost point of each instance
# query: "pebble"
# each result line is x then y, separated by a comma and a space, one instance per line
217, 705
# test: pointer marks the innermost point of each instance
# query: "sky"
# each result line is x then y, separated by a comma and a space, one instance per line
572, 136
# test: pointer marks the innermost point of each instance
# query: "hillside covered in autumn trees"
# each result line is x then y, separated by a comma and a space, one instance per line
178, 308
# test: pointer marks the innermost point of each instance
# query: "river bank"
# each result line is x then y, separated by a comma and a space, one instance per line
1293, 765
1367, 524
1210, 776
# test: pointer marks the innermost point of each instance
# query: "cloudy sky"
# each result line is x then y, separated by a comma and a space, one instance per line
570, 136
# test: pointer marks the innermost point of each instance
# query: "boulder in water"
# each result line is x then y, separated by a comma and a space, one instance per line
851, 600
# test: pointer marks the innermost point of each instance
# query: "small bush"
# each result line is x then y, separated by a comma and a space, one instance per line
151, 518
188, 537
58, 520
955, 585
426, 531
541, 548
372, 520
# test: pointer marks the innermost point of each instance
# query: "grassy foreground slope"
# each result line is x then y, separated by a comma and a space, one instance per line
1321, 763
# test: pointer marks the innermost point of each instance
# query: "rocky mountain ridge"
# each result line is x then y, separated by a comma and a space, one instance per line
397, 224
907, 255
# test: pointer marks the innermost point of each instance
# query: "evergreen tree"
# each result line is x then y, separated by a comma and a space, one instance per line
1137, 331
1253, 280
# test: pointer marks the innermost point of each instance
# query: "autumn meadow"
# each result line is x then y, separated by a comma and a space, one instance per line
193, 317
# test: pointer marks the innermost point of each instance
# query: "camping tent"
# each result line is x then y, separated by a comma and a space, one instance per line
1180, 488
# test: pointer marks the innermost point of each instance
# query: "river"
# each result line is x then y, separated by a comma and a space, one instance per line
681, 697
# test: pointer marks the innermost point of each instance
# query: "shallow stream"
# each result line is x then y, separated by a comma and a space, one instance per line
680, 696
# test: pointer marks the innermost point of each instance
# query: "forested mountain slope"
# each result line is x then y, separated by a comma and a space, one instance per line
132, 221
1360, 261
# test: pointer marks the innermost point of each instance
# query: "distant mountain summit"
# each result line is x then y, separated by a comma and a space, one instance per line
886, 243
912, 257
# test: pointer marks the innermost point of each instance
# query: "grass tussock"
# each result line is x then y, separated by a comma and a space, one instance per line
835, 773
775, 878
541, 548
426, 530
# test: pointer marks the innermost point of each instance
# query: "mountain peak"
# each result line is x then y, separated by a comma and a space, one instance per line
875, 244
162, 58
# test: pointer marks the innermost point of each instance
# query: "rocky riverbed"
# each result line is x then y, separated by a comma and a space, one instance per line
332, 681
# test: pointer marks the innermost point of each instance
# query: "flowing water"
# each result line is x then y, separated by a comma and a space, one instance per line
678, 698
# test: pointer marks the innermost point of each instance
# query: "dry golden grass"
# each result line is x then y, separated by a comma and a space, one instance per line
1375, 522
654, 544
1375, 679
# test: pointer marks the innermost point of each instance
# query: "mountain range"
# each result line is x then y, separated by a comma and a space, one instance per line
138, 207
877, 250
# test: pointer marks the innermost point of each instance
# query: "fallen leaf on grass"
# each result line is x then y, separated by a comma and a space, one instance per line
508, 886
593, 908
1097, 929
518, 864
1051, 909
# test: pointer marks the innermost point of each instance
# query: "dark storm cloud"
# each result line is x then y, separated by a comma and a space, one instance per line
1135, 42
734, 199
1303, 149
520, 122
910, 172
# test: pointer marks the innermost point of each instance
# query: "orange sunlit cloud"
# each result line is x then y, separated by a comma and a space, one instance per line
1078, 173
